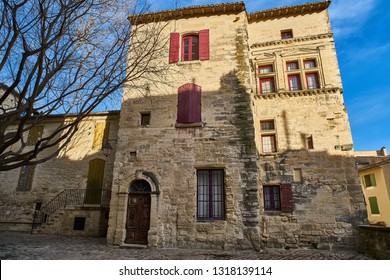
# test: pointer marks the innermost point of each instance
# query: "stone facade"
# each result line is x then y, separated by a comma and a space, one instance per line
21, 194
246, 144
293, 142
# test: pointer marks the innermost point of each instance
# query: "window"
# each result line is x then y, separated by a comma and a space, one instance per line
312, 80
309, 141
268, 136
369, 180
267, 85
190, 50
193, 46
100, 135
145, 119
309, 63
292, 65
294, 82
26, 178
266, 78
374, 205
34, 134
286, 34
189, 104
210, 195
278, 198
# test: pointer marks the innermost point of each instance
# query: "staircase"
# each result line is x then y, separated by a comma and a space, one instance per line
52, 211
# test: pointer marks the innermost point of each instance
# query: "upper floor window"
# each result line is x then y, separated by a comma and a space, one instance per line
194, 46
145, 118
268, 136
100, 137
26, 178
190, 50
292, 65
369, 180
266, 78
34, 135
278, 198
189, 104
286, 34
312, 80
294, 82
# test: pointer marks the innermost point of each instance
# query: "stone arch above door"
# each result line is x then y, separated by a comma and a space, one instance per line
148, 177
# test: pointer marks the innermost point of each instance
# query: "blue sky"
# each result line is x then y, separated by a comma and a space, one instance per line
362, 34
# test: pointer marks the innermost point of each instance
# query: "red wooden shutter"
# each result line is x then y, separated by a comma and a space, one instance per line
287, 198
204, 45
194, 104
174, 46
182, 104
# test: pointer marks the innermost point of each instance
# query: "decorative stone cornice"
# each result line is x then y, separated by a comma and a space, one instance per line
292, 40
284, 94
188, 12
288, 11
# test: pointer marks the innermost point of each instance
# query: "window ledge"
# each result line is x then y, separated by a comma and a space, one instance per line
191, 62
189, 125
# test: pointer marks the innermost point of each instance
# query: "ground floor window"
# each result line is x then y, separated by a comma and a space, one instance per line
210, 194
278, 198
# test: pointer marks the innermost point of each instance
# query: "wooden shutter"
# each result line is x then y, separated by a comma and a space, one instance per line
189, 104
174, 46
287, 198
194, 104
204, 44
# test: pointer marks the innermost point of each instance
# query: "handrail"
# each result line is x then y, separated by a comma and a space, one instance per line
72, 197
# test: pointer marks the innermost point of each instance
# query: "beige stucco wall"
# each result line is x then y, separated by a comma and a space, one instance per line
69, 169
381, 191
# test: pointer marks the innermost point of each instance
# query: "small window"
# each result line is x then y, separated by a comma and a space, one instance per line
265, 69
210, 195
145, 119
267, 125
190, 50
34, 134
310, 63
292, 65
286, 34
271, 198
294, 82
374, 205
312, 81
268, 143
309, 141
267, 85
369, 180
26, 178
79, 223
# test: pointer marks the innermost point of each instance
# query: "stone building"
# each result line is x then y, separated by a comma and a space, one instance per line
247, 144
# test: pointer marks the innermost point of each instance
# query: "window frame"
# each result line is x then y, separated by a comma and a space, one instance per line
316, 78
210, 199
191, 54
271, 80
266, 77
369, 180
286, 34
268, 131
269, 203
297, 76
145, 119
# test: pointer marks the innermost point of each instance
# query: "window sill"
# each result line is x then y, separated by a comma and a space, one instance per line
191, 62
189, 125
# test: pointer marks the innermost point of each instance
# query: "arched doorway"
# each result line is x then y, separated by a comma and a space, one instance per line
138, 213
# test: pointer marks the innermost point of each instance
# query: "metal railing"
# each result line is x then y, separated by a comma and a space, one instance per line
71, 197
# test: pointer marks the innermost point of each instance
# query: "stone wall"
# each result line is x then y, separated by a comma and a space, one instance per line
375, 241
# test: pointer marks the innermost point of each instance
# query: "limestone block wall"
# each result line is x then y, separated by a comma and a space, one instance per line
224, 140
68, 170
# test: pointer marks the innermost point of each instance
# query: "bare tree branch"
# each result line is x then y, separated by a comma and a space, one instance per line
66, 57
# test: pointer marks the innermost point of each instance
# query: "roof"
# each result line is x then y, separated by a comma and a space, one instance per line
374, 165
289, 11
187, 12
228, 8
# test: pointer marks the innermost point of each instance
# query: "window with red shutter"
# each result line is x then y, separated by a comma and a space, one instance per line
174, 47
278, 198
189, 104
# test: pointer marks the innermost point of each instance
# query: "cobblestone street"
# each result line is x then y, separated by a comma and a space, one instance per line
25, 246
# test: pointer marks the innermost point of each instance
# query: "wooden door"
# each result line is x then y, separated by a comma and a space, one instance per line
138, 218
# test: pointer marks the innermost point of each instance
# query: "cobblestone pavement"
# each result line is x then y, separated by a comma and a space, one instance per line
25, 246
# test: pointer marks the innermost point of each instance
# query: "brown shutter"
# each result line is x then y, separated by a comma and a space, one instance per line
194, 104
204, 44
287, 198
174, 47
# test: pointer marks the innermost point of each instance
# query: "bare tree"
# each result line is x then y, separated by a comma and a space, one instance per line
66, 57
